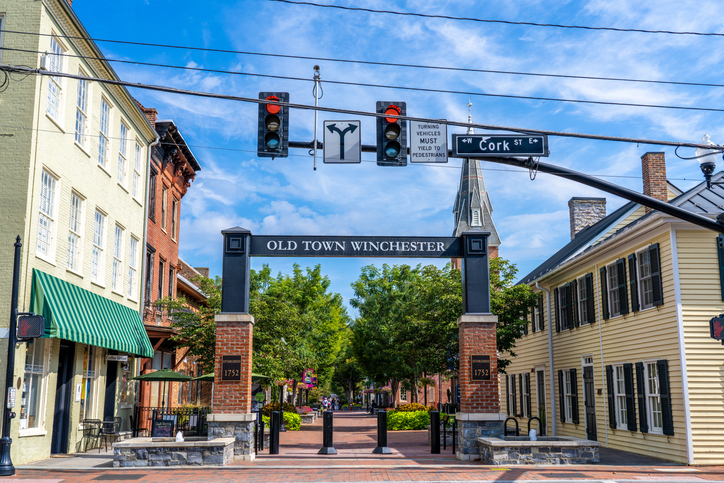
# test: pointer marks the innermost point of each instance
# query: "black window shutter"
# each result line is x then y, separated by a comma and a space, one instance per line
507, 395
574, 303
604, 294
561, 396
556, 303
720, 249
532, 317
513, 401
520, 386
574, 396
658, 295
541, 319
633, 281
665, 393
590, 299
640, 391
527, 390
568, 308
628, 383
622, 288
611, 400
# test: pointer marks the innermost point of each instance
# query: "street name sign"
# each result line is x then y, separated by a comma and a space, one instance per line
499, 145
428, 142
342, 142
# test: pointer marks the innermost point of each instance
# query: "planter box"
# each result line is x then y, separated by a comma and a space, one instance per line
307, 418
140, 452
547, 450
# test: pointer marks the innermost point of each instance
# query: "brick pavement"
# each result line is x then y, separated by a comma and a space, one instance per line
354, 439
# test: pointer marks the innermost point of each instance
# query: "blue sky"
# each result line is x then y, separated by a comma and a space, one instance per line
285, 196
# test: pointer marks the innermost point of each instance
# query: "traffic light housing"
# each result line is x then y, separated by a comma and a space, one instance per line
391, 134
273, 140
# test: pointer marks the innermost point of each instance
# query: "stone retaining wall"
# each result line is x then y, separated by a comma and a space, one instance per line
567, 450
141, 452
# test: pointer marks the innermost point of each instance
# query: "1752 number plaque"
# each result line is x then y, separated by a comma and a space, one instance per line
480, 366
231, 368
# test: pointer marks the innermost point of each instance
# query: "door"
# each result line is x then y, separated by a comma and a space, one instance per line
541, 397
589, 402
109, 405
63, 391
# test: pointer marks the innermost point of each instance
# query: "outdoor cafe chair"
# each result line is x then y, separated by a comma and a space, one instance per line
91, 432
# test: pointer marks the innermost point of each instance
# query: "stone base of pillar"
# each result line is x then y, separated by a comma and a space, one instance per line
237, 426
472, 426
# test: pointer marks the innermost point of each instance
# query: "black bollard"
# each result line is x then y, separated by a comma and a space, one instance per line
444, 434
328, 446
274, 433
261, 435
382, 434
434, 432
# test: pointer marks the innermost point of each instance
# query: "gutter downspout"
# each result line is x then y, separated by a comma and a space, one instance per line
551, 372
603, 364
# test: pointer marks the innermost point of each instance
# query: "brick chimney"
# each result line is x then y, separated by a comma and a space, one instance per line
653, 169
151, 113
70, 2
203, 271
585, 212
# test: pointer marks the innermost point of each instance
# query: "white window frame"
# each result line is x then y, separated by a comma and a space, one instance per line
568, 395
117, 266
653, 399
526, 395
105, 119
2, 33
164, 207
54, 108
75, 232
643, 281
582, 303
136, 183
133, 267
561, 308
403, 393
42, 397
611, 275
535, 323
123, 155
512, 395
619, 396
48, 212
81, 112
476, 219
99, 246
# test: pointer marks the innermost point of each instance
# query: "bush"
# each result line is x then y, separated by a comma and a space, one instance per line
412, 407
401, 421
292, 421
345, 407
267, 410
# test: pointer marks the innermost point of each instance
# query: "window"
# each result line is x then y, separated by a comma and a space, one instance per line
97, 262
164, 207
122, 161
568, 395
568, 387
582, 301
132, 268
117, 278
55, 84
403, 393
525, 394
512, 403
136, 170
653, 398
646, 286
619, 387
81, 113
87, 399
562, 306
538, 324
170, 282
174, 214
149, 275
30, 407
2, 28
614, 302
161, 269
104, 129
46, 217
152, 194
476, 218
75, 231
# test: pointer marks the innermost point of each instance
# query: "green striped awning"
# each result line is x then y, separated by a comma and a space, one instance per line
77, 314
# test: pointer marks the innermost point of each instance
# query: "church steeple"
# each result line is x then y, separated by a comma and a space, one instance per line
472, 209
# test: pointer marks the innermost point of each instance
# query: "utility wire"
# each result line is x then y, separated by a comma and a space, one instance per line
507, 22
174, 90
368, 62
382, 86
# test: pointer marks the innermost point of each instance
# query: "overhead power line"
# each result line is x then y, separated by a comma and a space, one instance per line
383, 86
507, 22
174, 90
369, 62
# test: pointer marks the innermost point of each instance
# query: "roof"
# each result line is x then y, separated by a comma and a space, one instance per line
163, 127
698, 199
190, 286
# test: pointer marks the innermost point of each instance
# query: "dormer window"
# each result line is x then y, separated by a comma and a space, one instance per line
476, 218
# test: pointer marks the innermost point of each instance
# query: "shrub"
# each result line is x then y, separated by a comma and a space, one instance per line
292, 421
345, 407
267, 410
400, 421
414, 407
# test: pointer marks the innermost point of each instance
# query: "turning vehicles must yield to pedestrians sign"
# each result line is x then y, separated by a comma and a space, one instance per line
342, 142
480, 145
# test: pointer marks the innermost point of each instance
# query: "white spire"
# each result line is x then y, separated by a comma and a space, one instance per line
470, 117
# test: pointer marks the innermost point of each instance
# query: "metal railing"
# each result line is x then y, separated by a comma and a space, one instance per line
190, 421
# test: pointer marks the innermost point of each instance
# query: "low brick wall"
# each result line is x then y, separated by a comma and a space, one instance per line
308, 418
139, 452
561, 450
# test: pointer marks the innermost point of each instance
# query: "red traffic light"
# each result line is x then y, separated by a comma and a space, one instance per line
273, 108
392, 110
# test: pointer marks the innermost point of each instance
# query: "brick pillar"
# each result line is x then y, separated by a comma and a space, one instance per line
479, 414
653, 169
232, 416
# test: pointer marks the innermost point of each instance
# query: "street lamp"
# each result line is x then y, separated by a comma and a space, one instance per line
707, 159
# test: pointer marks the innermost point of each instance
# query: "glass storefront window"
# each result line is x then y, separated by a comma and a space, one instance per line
32, 385
88, 384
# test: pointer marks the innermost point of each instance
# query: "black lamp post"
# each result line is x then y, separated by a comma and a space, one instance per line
6, 464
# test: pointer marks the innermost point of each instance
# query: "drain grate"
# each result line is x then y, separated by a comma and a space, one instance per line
565, 475
118, 477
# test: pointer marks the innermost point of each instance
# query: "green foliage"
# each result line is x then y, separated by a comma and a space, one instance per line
266, 420
292, 421
267, 410
413, 407
345, 407
401, 421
